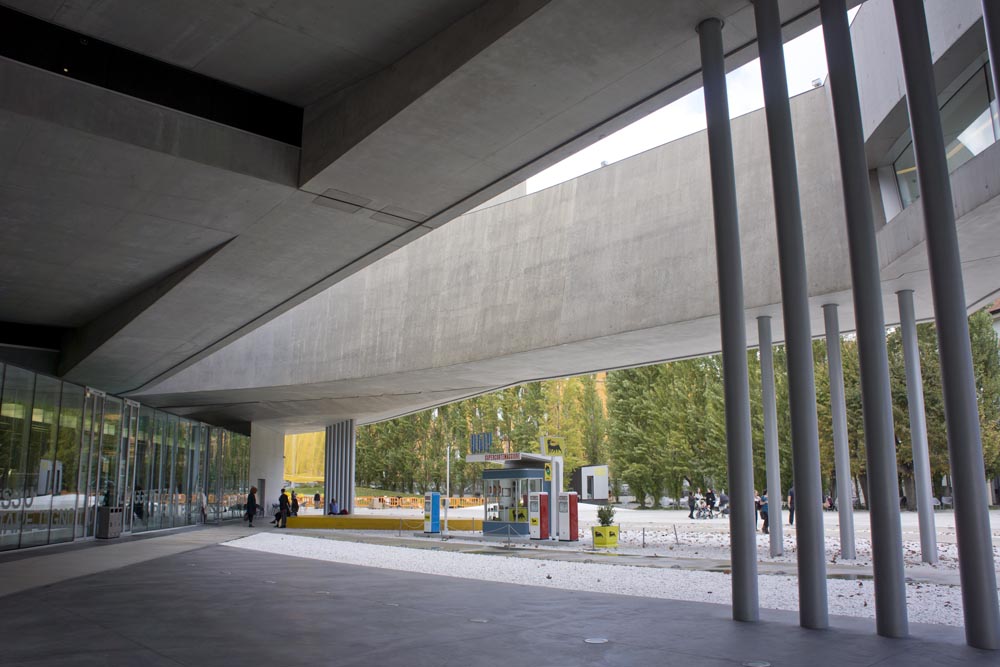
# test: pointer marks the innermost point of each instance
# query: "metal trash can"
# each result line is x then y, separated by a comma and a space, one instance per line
109, 522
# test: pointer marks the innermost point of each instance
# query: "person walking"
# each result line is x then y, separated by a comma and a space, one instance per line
281, 518
691, 502
295, 504
318, 502
756, 508
791, 505
252, 505
764, 512
710, 502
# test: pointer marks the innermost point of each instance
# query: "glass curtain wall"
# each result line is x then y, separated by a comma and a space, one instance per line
970, 125
66, 450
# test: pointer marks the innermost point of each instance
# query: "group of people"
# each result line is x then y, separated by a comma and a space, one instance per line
286, 507
707, 506
762, 506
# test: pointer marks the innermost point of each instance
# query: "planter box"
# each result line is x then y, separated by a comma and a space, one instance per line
109, 522
605, 536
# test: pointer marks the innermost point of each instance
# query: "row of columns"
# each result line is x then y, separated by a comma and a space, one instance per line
340, 450
979, 593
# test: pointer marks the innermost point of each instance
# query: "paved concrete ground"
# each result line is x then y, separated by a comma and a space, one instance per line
211, 605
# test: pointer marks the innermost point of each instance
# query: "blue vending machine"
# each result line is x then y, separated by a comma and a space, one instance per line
432, 512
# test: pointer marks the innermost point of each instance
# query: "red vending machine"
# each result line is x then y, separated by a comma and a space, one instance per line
538, 515
568, 528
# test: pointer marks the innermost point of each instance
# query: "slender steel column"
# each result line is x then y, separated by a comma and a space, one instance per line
841, 453
880, 443
771, 458
798, 335
991, 24
734, 336
965, 450
918, 427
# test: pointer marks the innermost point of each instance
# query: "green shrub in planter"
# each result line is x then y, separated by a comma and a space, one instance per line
606, 534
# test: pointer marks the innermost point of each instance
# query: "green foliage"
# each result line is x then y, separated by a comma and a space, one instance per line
665, 424
606, 515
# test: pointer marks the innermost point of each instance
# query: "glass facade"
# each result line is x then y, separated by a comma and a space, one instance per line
66, 450
970, 125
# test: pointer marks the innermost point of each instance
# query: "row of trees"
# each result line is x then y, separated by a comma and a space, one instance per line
409, 454
667, 422
661, 427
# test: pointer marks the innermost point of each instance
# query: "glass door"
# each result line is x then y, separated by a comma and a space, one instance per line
127, 474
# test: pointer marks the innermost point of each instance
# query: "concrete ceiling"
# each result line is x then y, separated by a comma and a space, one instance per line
154, 237
293, 50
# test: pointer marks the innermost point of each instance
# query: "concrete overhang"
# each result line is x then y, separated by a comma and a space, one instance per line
158, 237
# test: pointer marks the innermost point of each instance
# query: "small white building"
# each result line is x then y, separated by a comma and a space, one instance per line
591, 483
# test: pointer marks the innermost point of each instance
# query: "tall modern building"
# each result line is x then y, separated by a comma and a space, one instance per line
223, 222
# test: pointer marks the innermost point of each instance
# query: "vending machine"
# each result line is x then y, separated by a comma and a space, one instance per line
432, 512
568, 531
538, 515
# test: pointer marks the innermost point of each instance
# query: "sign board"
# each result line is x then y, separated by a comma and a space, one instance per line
552, 445
548, 472
493, 458
480, 443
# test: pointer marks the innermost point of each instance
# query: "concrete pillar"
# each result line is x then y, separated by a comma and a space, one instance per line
841, 452
772, 459
734, 338
965, 451
340, 464
809, 538
991, 24
267, 462
880, 444
918, 427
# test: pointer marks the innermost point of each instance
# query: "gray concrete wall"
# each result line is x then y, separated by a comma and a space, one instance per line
956, 36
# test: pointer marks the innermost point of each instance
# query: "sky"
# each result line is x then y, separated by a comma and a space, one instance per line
805, 61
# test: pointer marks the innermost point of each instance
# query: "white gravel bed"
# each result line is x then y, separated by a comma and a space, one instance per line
927, 603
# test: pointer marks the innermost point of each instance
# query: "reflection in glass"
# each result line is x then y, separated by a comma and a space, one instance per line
15, 421
41, 475
969, 126
66, 479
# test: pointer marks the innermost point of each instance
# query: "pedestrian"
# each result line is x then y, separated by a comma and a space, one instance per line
334, 508
295, 504
756, 508
318, 502
791, 505
691, 502
251, 505
764, 512
203, 506
281, 517
710, 502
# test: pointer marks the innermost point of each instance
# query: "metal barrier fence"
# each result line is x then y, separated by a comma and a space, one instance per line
380, 502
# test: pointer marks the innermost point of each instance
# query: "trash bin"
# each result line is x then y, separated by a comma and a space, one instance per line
109, 522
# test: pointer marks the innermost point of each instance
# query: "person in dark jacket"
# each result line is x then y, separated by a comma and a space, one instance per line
318, 502
295, 504
691, 502
252, 505
284, 508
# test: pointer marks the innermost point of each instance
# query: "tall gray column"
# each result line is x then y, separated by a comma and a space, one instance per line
771, 457
734, 337
841, 452
965, 450
798, 335
918, 427
340, 464
880, 443
991, 24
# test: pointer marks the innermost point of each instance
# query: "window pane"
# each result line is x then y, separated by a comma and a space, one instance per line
41, 476
110, 486
15, 421
144, 459
66, 484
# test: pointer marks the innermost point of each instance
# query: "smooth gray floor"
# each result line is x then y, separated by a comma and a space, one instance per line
222, 606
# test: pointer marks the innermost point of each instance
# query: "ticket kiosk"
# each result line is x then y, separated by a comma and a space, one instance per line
568, 524
432, 512
538, 516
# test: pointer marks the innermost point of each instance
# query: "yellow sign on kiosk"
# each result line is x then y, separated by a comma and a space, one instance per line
548, 472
